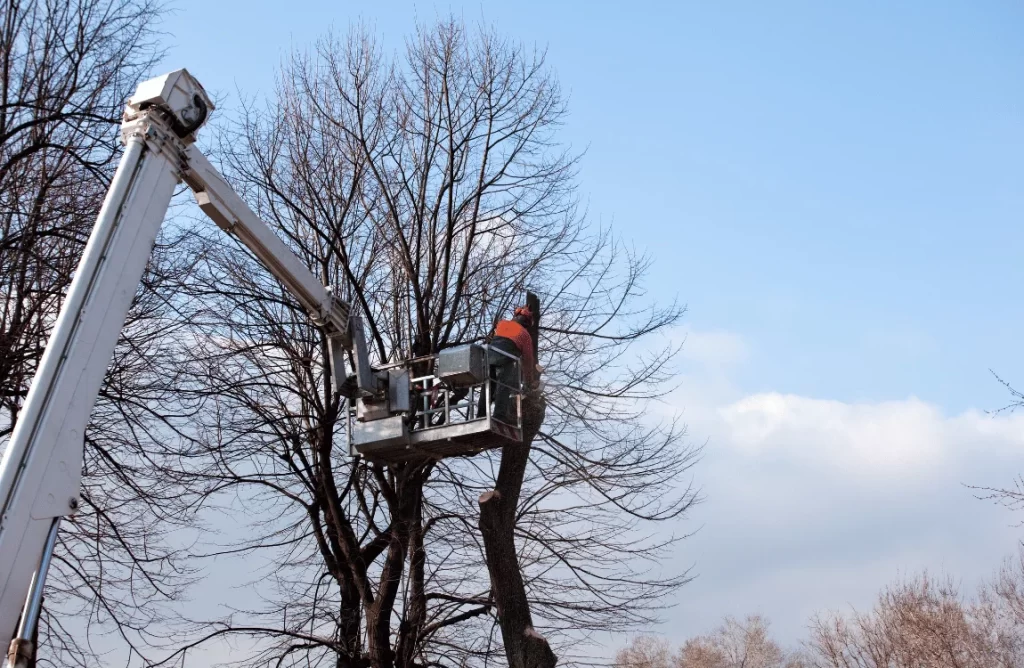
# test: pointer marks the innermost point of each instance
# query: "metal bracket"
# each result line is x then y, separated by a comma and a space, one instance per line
153, 127
20, 653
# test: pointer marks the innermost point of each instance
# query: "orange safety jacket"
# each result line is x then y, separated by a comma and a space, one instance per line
512, 330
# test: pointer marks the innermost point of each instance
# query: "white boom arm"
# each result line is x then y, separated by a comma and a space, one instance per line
40, 474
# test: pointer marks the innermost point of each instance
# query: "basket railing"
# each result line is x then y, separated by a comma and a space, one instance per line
436, 404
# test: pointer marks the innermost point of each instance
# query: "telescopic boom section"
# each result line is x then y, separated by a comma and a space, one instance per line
221, 203
40, 473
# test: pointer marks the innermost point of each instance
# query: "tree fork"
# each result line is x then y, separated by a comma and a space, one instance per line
524, 646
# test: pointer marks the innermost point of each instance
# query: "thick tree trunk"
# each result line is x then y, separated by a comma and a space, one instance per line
349, 617
406, 521
416, 603
524, 646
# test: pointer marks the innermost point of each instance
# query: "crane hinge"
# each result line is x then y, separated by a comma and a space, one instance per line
335, 316
152, 128
179, 101
166, 112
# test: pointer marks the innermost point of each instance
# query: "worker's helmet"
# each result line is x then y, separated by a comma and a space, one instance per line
525, 312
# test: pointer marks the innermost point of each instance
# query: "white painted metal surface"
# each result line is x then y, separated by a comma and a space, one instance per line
41, 470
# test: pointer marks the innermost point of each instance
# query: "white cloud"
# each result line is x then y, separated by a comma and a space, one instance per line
883, 438
906, 437
815, 504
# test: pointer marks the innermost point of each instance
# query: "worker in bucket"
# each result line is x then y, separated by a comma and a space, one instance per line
511, 337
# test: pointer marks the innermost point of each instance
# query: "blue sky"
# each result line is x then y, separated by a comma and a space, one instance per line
841, 183
836, 193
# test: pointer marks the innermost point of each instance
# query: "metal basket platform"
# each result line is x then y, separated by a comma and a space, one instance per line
445, 420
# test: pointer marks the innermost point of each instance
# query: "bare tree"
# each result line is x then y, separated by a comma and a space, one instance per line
646, 652
701, 652
926, 623
431, 191
66, 69
734, 644
923, 622
1011, 496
